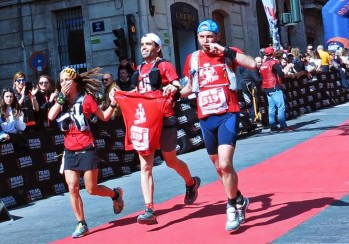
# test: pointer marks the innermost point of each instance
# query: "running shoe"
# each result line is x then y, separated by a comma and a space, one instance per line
191, 193
242, 209
80, 231
118, 204
148, 218
233, 222
274, 129
286, 129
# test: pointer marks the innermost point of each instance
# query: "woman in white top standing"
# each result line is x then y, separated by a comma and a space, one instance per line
11, 113
11, 120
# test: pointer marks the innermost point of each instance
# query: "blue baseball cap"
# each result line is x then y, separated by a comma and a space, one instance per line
208, 25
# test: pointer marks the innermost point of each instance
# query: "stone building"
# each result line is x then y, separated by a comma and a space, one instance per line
42, 36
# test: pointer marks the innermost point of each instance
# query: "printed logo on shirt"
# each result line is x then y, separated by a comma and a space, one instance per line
24, 162
207, 74
34, 143
9, 201
34, 194
59, 188
43, 175
7, 149
140, 115
107, 172
15, 181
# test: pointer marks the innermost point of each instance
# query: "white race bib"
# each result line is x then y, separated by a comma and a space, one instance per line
140, 138
212, 101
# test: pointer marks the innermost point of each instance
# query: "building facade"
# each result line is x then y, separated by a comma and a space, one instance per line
43, 36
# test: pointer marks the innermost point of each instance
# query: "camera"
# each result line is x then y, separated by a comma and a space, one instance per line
28, 86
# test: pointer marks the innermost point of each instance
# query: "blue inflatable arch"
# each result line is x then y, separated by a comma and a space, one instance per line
335, 16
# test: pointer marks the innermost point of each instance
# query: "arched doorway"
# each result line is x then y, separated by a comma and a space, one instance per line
184, 18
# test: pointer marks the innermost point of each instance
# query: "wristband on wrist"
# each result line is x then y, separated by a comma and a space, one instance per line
62, 99
178, 87
229, 53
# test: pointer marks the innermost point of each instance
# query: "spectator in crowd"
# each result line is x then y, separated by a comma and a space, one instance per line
76, 103
287, 68
11, 114
295, 51
23, 92
11, 120
158, 76
125, 63
259, 61
263, 120
108, 84
218, 118
300, 65
124, 81
336, 64
325, 58
317, 61
272, 75
46, 96
310, 64
290, 58
249, 80
344, 57
310, 52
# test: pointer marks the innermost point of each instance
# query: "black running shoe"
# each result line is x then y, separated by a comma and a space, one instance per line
192, 191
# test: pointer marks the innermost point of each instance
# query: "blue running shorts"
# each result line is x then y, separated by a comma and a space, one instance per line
221, 129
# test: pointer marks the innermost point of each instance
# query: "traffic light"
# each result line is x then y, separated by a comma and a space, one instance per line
295, 11
132, 31
120, 42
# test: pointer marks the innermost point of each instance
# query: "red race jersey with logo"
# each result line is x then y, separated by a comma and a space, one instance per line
167, 75
143, 116
214, 96
74, 139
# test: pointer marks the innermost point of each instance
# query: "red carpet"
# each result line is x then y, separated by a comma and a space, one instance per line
284, 191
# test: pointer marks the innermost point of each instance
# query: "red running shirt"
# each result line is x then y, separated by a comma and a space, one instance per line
74, 139
143, 116
167, 74
214, 96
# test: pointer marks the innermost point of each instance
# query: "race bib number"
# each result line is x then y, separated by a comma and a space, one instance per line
144, 85
212, 101
140, 138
